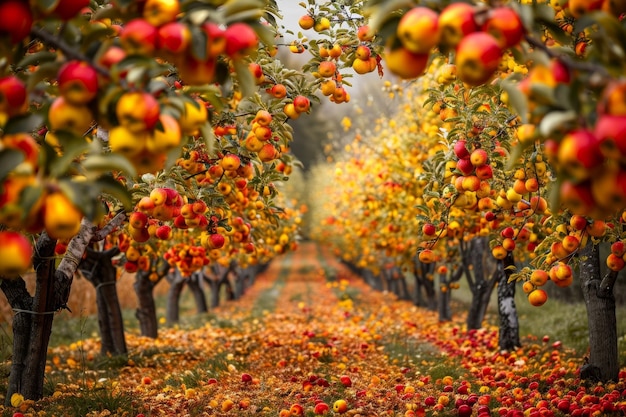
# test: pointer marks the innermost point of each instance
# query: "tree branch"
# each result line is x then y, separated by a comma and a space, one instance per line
109, 227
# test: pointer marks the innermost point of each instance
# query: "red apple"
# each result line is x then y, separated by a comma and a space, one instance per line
478, 56
16, 254
164, 232
455, 22
240, 40
78, 82
321, 408
418, 30
479, 157
174, 37
67, 9
460, 149
579, 153
138, 36
13, 95
16, 19
161, 12
505, 25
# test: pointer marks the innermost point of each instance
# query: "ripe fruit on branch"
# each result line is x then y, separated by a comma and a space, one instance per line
327, 69
478, 56
64, 115
404, 63
16, 19
139, 37
230, 162
173, 38
61, 217
138, 111
78, 82
579, 153
455, 22
160, 12
16, 254
537, 297
505, 25
13, 95
306, 22
241, 39
418, 30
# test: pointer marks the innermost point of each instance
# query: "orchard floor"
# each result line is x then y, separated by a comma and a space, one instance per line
309, 332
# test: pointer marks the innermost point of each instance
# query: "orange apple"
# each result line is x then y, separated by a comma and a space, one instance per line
455, 22
579, 154
69, 117
139, 37
404, 63
267, 153
301, 104
138, 219
479, 157
327, 69
137, 111
193, 71
504, 24
418, 30
16, 254
230, 162
160, 12
61, 217
78, 82
477, 58
306, 22
16, 19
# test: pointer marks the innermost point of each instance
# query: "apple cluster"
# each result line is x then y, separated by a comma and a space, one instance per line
478, 37
187, 258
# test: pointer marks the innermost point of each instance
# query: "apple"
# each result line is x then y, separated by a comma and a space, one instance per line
68, 9
321, 24
465, 166
608, 188
340, 406
69, 117
327, 69
193, 71
418, 30
404, 63
230, 162
460, 149
163, 232
13, 95
321, 408
169, 137
429, 229
138, 219
61, 217
484, 172
301, 104
111, 56
345, 380
241, 39
455, 22
16, 19
478, 56
246, 378
267, 153
505, 25
138, 111
16, 254
277, 91
290, 111
78, 82
479, 157
306, 22
611, 133
160, 12
363, 52
579, 153
364, 34
138, 36
173, 37
216, 240
26, 144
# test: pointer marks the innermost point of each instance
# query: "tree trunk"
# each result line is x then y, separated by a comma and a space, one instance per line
509, 324
172, 309
98, 269
21, 302
34, 315
146, 307
445, 312
481, 288
603, 361
194, 282
41, 325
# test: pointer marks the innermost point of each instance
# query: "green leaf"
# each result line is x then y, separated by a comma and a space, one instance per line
37, 58
232, 7
47, 70
97, 165
9, 160
264, 32
556, 120
73, 146
27, 123
108, 185
517, 100
198, 43
245, 78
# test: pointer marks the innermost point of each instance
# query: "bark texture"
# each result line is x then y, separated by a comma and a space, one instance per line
603, 361
509, 323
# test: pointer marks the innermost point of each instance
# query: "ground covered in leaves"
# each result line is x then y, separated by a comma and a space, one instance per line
310, 336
